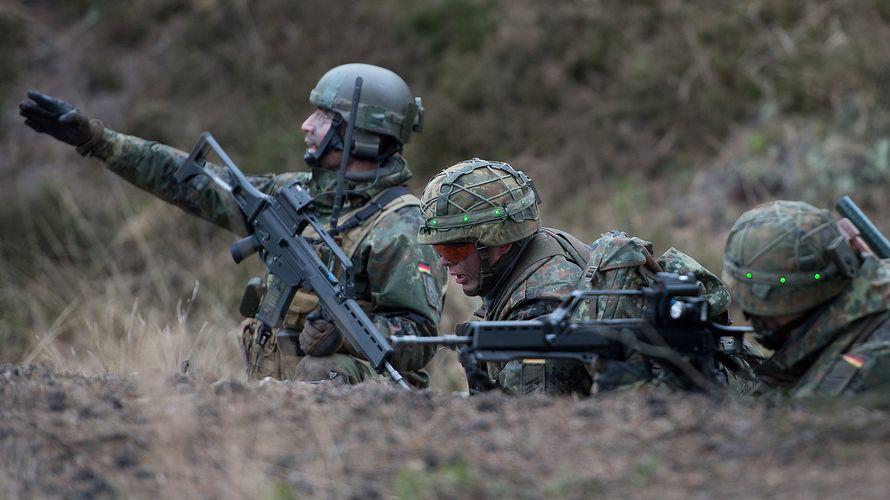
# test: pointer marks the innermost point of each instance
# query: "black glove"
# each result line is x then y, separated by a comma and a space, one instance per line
320, 337
478, 379
61, 120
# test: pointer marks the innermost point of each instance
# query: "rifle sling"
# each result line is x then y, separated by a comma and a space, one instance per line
374, 206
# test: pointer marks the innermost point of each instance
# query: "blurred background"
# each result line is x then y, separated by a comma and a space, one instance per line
666, 119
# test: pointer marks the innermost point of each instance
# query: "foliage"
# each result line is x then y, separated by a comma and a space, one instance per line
666, 119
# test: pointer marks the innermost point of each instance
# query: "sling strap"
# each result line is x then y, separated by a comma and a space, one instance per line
377, 204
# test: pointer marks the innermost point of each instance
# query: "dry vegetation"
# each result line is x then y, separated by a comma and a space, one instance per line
666, 119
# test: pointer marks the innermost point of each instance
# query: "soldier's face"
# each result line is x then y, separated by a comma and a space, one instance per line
465, 271
465, 266
314, 128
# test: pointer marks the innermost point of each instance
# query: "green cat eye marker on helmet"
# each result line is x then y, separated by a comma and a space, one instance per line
485, 202
783, 257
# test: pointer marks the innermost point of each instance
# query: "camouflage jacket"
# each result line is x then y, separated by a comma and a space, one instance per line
399, 283
537, 276
844, 349
622, 262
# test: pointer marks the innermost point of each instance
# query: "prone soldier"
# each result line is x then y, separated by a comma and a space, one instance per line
812, 298
482, 219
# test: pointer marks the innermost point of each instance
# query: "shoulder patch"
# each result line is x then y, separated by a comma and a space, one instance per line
429, 286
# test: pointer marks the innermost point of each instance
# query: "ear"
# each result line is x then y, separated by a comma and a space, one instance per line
495, 253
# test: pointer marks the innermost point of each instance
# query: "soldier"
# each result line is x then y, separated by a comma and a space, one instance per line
398, 282
821, 307
481, 217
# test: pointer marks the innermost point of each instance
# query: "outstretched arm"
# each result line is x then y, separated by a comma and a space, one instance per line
147, 165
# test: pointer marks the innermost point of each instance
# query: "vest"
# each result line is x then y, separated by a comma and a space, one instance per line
539, 250
358, 223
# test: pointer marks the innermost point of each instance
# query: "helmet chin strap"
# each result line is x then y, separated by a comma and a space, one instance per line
776, 339
492, 276
486, 272
332, 141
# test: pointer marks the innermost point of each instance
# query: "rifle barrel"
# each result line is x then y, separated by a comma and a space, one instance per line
877, 241
449, 340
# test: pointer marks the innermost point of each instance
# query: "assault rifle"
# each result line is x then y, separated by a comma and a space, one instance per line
674, 331
275, 223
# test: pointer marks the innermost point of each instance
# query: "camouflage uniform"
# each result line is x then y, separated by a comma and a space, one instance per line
490, 204
398, 283
789, 259
844, 349
538, 274
621, 262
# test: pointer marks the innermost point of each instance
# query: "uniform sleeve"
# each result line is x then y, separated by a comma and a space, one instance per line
150, 166
870, 362
406, 284
533, 309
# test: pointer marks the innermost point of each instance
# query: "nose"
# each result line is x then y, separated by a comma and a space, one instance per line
444, 262
306, 127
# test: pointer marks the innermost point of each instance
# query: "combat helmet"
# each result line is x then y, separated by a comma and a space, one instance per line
386, 108
786, 257
488, 203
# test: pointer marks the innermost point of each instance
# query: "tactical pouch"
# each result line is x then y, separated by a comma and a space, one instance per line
253, 295
532, 376
302, 304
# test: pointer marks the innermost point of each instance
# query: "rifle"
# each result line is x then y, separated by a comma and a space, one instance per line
876, 242
275, 223
674, 331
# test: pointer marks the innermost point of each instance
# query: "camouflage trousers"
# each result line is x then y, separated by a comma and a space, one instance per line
278, 359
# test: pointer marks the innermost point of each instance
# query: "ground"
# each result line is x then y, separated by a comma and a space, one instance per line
79, 436
664, 119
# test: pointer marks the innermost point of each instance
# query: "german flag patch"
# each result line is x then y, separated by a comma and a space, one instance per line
422, 267
853, 360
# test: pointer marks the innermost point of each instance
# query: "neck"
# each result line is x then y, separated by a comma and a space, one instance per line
356, 165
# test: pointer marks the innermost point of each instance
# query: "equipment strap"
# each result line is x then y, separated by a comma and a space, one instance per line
374, 206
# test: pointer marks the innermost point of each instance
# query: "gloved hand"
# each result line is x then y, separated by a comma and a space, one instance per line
61, 120
320, 337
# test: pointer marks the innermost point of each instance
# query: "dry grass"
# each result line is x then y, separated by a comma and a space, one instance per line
666, 121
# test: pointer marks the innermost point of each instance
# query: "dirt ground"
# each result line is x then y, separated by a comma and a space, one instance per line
176, 436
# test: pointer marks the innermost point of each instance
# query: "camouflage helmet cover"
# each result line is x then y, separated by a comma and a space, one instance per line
479, 201
785, 257
386, 105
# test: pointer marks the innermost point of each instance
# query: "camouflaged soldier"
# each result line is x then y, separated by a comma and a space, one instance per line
812, 299
482, 218
398, 282
622, 262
